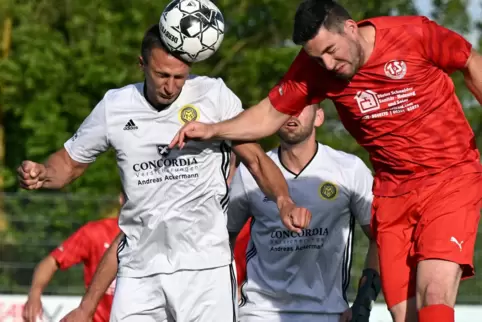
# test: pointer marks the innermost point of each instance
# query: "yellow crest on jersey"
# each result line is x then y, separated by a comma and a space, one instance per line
328, 190
188, 113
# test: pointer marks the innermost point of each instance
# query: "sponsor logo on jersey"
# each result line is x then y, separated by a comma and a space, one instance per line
163, 150
188, 113
164, 163
307, 239
367, 101
328, 191
165, 169
130, 126
395, 69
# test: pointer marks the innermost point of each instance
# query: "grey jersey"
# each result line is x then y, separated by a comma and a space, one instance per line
307, 272
175, 214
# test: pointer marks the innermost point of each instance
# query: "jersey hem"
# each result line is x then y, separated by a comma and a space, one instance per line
134, 272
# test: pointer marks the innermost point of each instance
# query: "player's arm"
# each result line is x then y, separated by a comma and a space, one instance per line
360, 206
371, 258
456, 53
473, 75
103, 277
61, 169
70, 162
288, 97
254, 123
73, 250
273, 184
43, 273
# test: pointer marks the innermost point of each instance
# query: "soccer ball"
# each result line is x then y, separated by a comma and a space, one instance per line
192, 29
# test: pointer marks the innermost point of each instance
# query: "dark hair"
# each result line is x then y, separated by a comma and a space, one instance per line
152, 39
311, 15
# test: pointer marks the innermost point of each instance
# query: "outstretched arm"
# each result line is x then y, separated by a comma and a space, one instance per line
473, 75
371, 259
103, 277
254, 123
42, 275
273, 184
58, 171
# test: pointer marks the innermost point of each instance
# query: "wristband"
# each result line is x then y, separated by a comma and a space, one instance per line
367, 294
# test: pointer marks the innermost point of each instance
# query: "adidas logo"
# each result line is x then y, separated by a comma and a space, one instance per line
130, 126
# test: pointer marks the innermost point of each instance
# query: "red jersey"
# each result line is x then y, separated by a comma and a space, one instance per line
400, 106
240, 252
87, 245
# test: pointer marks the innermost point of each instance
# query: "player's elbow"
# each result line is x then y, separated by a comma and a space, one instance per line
254, 165
65, 167
473, 68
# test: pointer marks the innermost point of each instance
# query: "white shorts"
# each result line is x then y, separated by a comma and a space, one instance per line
185, 296
259, 316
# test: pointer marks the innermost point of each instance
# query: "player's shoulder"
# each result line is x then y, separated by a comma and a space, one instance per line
119, 94
340, 158
128, 97
100, 224
395, 22
205, 84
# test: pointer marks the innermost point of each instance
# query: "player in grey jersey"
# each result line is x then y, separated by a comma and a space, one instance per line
174, 254
303, 277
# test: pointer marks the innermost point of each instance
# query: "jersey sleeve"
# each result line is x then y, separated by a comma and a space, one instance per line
91, 138
73, 250
445, 48
299, 87
238, 209
230, 104
361, 194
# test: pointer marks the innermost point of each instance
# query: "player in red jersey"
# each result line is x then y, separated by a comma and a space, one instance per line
87, 245
389, 80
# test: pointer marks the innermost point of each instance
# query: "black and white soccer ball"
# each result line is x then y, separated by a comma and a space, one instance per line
192, 29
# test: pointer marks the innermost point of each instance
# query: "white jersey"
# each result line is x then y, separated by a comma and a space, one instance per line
307, 272
174, 217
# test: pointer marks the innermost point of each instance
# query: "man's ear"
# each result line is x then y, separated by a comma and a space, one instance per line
320, 117
141, 62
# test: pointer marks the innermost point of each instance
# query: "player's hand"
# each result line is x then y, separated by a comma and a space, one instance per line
31, 175
293, 217
32, 310
346, 316
77, 315
193, 131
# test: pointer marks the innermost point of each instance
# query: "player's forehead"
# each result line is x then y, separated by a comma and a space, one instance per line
322, 41
161, 61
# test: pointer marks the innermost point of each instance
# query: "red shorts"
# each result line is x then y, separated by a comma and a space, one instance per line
438, 221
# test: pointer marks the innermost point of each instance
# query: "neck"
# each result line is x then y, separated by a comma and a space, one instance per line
367, 41
151, 100
295, 157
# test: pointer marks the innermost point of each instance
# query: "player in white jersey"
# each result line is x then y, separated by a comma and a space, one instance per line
175, 258
303, 277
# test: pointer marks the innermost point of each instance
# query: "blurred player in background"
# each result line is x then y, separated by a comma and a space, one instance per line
175, 261
389, 80
304, 277
87, 245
